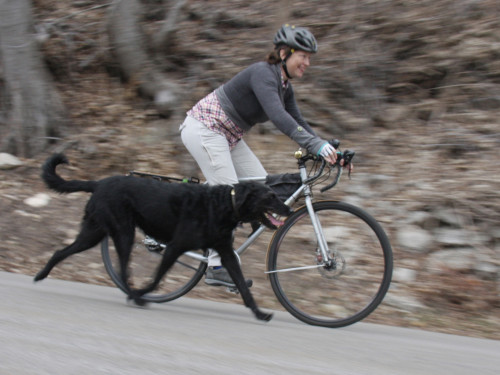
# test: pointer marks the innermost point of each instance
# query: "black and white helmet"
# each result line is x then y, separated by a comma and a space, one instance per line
297, 38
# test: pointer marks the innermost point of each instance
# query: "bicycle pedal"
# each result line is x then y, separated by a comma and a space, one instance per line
233, 289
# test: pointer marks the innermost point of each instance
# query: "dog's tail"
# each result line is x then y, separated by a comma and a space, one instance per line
57, 183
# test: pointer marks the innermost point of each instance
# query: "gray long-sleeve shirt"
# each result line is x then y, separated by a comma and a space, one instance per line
256, 95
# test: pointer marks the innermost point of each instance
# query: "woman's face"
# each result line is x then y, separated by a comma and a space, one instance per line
297, 63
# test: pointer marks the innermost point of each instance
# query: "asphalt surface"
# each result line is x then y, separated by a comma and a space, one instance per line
59, 327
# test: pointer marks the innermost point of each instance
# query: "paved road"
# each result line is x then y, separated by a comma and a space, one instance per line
58, 327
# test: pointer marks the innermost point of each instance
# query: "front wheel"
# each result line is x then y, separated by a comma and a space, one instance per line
339, 291
145, 258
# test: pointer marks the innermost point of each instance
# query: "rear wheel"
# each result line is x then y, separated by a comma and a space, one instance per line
348, 287
145, 259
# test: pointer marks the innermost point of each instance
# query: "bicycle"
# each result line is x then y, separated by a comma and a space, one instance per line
329, 265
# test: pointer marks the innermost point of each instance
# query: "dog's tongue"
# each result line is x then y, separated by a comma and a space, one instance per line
275, 221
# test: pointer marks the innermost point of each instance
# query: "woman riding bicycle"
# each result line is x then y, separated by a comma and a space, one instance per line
213, 129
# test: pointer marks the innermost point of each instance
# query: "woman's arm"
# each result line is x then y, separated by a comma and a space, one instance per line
266, 89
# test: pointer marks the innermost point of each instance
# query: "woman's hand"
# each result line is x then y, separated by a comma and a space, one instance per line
328, 153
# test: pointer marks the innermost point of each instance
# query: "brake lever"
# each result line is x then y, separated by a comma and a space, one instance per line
347, 156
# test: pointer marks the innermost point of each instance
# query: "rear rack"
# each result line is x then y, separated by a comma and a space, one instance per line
189, 180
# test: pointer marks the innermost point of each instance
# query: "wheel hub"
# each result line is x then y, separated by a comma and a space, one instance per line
333, 267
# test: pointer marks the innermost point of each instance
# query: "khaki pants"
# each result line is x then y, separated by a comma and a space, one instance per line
217, 162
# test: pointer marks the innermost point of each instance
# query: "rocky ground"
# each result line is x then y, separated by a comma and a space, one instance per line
424, 123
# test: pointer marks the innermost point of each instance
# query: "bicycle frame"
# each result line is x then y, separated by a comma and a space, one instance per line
305, 190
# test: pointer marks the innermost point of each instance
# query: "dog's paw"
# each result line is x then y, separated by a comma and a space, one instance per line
39, 276
263, 316
137, 301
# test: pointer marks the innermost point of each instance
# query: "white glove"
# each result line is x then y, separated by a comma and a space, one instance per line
327, 150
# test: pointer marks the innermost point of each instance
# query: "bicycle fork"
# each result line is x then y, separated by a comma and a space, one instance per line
324, 258
318, 231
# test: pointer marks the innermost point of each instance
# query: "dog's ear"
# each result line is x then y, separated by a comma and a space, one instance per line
247, 192
252, 193
242, 192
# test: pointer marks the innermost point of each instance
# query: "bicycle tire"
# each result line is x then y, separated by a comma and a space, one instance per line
178, 281
331, 297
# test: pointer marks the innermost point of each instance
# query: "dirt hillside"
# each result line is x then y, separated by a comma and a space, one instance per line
413, 87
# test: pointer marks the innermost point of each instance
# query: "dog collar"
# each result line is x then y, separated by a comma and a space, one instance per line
233, 201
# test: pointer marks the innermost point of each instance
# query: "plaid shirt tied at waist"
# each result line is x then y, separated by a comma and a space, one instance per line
209, 112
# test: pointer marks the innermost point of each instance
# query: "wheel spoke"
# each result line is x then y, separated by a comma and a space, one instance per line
296, 268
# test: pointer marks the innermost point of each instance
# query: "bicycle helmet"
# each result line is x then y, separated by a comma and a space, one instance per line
297, 38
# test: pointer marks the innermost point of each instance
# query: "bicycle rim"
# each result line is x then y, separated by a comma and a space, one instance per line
179, 280
338, 295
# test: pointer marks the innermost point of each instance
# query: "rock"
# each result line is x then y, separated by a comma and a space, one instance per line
362, 191
8, 161
450, 237
462, 259
27, 214
449, 217
414, 238
165, 102
404, 275
405, 302
391, 116
423, 76
71, 235
487, 271
486, 103
38, 200
495, 233
422, 219
458, 237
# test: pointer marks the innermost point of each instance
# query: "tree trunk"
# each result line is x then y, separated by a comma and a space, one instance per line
164, 36
32, 110
129, 46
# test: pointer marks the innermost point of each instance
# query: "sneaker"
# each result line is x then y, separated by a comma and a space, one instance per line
220, 277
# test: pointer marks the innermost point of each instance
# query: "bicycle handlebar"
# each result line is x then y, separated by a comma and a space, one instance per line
345, 156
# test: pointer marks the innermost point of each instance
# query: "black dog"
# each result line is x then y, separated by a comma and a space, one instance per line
186, 216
